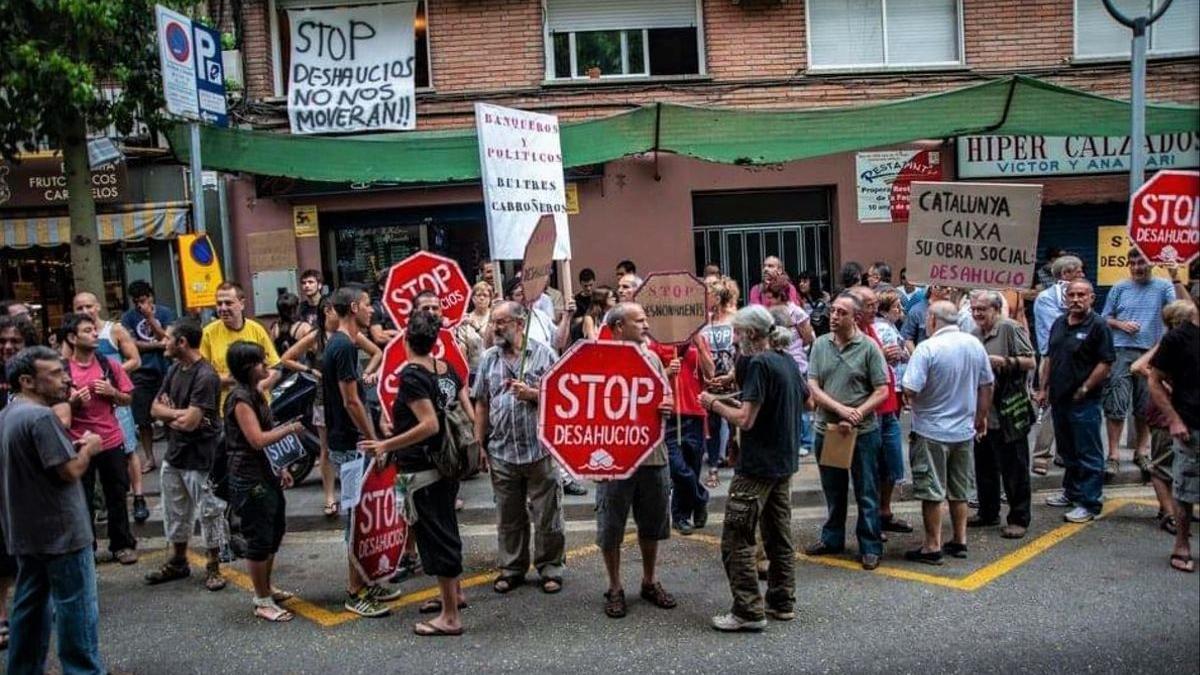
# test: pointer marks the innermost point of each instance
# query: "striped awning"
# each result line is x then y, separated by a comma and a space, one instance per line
136, 222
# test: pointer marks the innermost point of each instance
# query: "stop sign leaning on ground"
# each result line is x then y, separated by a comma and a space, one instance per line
424, 271
598, 413
395, 356
1164, 217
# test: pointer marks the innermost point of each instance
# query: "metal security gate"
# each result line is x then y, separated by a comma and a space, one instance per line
753, 229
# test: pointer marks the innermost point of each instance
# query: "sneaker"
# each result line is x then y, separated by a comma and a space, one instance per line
683, 527
126, 556
360, 603
381, 593
1059, 500
1079, 515
103, 557
805, 451
410, 566
780, 614
729, 623
170, 571
1143, 465
574, 489
140, 513
1111, 468
700, 518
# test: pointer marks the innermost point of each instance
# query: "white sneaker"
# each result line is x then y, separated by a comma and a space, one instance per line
730, 623
1059, 500
1079, 515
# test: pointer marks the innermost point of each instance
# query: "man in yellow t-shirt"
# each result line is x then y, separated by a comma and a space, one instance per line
233, 325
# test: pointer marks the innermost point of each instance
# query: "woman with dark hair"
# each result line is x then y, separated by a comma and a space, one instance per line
290, 327
256, 493
428, 388
602, 300
306, 356
814, 300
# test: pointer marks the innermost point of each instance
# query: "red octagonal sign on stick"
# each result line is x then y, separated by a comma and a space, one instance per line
424, 271
1164, 217
395, 356
599, 412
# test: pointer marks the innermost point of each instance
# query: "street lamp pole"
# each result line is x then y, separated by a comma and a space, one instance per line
1137, 99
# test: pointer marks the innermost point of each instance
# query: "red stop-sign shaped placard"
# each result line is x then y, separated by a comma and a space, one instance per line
1164, 217
598, 413
378, 529
395, 356
424, 271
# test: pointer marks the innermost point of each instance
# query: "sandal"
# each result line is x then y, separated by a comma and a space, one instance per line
1166, 523
614, 604
273, 614
148, 468
427, 629
504, 585
1040, 467
169, 571
331, 509
1188, 565
551, 585
213, 580
714, 479
658, 596
434, 606
281, 596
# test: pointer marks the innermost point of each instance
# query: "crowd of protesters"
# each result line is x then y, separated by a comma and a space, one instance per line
792, 371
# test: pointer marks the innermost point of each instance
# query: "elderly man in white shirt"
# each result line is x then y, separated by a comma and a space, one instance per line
949, 385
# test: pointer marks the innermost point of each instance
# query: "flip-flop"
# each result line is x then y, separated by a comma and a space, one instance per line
427, 629
546, 581
713, 480
331, 509
434, 605
1189, 564
510, 584
147, 469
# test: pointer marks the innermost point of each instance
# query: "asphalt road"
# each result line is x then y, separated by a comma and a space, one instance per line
1093, 598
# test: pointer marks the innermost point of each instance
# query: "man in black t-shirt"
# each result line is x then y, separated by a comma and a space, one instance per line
347, 421
771, 403
1177, 361
311, 285
1073, 374
187, 405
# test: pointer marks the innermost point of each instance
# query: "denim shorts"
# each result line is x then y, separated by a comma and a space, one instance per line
1186, 469
891, 457
647, 493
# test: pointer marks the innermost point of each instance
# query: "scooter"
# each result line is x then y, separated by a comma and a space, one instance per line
292, 399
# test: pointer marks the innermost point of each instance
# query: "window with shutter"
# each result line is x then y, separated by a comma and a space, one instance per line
1099, 36
881, 34
622, 38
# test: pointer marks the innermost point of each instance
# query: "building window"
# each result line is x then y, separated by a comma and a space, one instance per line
282, 48
1099, 36
622, 38
879, 34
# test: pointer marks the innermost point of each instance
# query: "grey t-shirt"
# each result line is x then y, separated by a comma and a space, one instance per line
42, 513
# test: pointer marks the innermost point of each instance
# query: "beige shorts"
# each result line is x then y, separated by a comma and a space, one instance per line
942, 471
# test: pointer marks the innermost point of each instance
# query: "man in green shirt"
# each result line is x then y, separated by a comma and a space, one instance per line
847, 376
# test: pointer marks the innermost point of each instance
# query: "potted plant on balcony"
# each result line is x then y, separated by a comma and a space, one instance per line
231, 57
593, 71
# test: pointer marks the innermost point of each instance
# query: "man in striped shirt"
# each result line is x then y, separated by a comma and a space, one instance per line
506, 418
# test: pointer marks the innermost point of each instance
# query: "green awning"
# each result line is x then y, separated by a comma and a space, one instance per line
1012, 105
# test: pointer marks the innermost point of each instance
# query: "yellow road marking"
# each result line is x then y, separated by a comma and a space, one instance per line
979, 578
327, 619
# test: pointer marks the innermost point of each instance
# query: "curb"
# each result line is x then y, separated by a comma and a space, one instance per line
583, 509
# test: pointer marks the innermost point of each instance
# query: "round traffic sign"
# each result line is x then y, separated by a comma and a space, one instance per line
179, 43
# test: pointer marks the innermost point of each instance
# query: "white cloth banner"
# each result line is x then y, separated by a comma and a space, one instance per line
520, 159
352, 69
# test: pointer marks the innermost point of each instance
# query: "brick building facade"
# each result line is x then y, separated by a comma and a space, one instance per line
755, 54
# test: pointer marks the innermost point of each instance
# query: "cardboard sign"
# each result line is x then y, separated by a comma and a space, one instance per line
520, 157
1164, 217
351, 484
200, 271
378, 530
676, 305
884, 181
1112, 251
424, 271
598, 412
395, 356
284, 452
352, 69
539, 260
271, 250
973, 235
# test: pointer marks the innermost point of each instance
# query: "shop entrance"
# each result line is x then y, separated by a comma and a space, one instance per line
737, 230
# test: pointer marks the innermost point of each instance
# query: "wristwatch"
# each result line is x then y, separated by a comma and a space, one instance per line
1083, 389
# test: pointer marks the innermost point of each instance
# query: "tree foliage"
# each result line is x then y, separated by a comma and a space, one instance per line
57, 55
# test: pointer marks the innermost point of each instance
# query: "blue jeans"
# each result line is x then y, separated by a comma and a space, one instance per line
718, 438
688, 495
1077, 435
808, 430
891, 455
56, 591
864, 473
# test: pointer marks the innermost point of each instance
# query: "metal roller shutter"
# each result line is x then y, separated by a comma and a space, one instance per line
1073, 228
587, 15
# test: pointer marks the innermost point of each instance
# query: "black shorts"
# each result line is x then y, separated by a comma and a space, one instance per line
263, 513
436, 529
146, 384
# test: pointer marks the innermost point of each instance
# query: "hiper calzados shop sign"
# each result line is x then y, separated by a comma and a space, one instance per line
42, 181
1019, 156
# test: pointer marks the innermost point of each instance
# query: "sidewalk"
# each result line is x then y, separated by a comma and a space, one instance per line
305, 502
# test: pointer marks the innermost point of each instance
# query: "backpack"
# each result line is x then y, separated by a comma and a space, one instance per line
124, 415
457, 457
